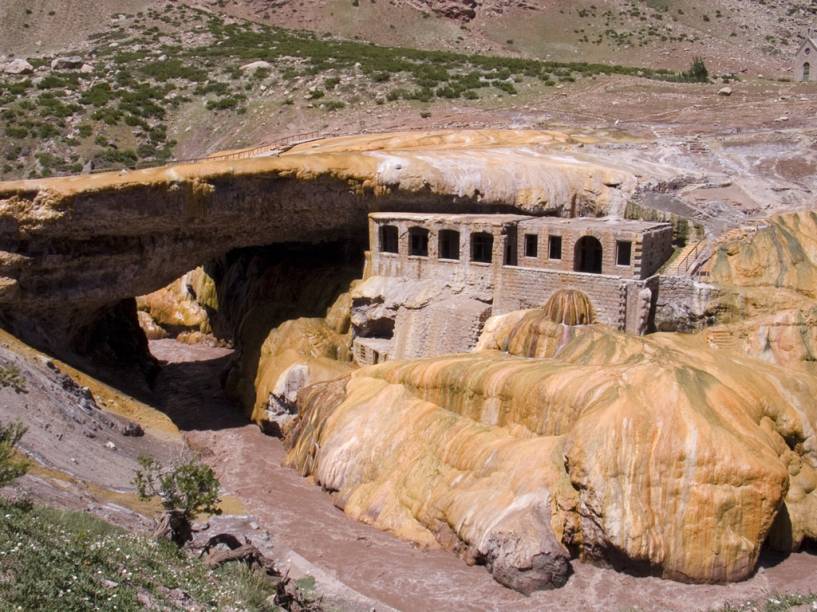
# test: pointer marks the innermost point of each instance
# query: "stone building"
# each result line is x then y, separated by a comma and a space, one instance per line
805, 60
513, 262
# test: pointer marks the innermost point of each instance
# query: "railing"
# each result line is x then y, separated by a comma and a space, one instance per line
692, 263
279, 145
689, 259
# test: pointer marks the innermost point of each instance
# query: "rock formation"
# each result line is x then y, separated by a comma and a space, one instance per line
180, 307
655, 455
73, 247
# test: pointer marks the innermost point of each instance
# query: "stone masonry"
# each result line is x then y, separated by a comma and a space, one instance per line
513, 262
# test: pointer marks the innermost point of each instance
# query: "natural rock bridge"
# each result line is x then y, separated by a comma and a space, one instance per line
70, 246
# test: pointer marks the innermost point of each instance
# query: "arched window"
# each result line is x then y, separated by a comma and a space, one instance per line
418, 241
806, 71
587, 255
449, 244
388, 239
482, 246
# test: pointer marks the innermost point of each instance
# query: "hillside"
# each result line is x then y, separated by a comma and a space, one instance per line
181, 83
734, 34
178, 80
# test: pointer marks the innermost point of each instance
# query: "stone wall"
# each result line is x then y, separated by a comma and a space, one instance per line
684, 304
654, 250
617, 294
523, 288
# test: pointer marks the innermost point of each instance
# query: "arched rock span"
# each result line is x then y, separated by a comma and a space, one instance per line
71, 246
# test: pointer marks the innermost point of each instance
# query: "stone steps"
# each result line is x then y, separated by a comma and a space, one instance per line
678, 267
723, 339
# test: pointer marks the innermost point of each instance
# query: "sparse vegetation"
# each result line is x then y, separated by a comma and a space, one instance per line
11, 377
185, 491
151, 70
51, 559
11, 467
775, 603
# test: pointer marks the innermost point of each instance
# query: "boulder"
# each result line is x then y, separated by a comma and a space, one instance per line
73, 62
725, 91
86, 69
253, 66
18, 66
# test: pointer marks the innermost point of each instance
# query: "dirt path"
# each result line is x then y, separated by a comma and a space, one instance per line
303, 523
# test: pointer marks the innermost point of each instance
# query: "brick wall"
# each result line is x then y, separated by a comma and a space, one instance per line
615, 293
655, 250
522, 288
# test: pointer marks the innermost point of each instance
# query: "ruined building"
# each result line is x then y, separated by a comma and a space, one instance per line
496, 263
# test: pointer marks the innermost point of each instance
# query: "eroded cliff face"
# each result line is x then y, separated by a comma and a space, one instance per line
654, 455
767, 282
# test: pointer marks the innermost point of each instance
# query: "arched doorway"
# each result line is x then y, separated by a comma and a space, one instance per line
806, 71
587, 255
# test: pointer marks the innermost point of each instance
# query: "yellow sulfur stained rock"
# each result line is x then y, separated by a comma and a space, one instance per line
658, 455
428, 475
183, 304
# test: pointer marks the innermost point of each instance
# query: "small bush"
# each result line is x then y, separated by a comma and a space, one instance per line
505, 86
16, 132
11, 467
697, 72
191, 488
173, 69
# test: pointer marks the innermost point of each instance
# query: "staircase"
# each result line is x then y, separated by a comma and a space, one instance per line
723, 339
690, 261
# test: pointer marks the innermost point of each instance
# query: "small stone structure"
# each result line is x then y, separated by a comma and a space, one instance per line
514, 262
805, 60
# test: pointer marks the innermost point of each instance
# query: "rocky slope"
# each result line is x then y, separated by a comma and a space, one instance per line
730, 33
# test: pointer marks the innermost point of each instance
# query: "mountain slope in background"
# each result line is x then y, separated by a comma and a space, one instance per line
733, 35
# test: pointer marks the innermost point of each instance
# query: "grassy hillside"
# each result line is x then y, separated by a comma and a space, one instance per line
174, 83
50, 559
733, 33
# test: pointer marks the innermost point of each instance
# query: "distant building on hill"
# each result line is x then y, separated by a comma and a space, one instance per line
805, 60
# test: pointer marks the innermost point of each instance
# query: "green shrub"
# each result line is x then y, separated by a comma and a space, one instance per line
191, 488
225, 103
185, 491
697, 72
98, 95
505, 86
173, 69
11, 467
16, 132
